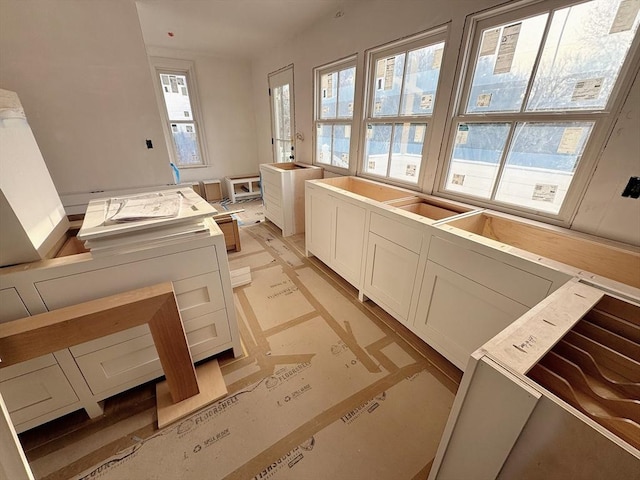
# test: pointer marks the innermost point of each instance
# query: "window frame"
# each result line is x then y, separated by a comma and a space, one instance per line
437, 34
171, 66
318, 72
603, 119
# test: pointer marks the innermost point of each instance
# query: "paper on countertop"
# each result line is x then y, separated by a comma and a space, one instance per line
143, 207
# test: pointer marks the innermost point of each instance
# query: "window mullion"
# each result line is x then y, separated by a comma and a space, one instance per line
536, 63
503, 160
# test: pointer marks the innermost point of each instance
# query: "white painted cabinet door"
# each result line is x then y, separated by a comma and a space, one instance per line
390, 276
319, 223
347, 243
456, 315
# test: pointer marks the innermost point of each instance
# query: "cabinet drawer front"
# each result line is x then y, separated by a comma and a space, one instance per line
271, 200
195, 296
37, 393
199, 295
13, 307
73, 289
519, 285
272, 179
390, 276
397, 232
137, 358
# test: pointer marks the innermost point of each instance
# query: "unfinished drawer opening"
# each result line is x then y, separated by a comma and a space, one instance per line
615, 261
596, 368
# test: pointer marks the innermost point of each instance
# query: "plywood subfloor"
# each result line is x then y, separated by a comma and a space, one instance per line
329, 388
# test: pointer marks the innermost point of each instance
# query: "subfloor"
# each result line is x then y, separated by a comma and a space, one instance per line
329, 387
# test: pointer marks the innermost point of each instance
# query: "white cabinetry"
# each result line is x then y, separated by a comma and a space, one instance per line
467, 297
336, 232
90, 372
393, 259
283, 194
541, 400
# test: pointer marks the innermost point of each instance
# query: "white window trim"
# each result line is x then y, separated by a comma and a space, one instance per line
171, 65
341, 64
435, 122
604, 119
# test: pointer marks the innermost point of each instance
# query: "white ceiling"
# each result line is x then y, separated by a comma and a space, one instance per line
228, 27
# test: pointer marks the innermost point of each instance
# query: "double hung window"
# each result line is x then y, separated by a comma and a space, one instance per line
179, 105
402, 89
540, 85
335, 88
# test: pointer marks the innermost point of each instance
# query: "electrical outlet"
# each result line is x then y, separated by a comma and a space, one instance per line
149, 144
633, 188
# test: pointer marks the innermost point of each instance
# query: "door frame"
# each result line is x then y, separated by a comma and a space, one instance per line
280, 77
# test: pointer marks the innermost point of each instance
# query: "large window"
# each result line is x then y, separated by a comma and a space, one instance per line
179, 105
540, 85
334, 93
402, 88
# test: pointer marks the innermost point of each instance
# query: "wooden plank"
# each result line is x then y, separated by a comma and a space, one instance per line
593, 255
618, 308
609, 339
38, 335
174, 354
614, 324
211, 387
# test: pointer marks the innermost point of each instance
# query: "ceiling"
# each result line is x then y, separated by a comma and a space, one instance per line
240, 28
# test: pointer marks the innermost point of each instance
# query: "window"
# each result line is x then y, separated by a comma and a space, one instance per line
539, 90
402, 87
179, 106
334, 93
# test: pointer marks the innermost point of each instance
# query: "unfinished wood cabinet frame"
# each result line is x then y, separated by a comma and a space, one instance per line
156, 306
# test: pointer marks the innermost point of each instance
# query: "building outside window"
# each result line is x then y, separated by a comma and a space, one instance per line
334, 104
540, 85
401, 96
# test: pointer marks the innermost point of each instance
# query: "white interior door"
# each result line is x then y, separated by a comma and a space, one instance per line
282, 114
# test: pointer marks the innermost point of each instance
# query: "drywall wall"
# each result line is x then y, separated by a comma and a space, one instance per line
603, 211
367, 24
81, 71
226, 104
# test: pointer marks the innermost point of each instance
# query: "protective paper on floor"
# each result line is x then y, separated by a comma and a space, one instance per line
325, 391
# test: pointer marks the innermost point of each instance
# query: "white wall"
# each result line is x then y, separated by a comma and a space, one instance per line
226, 103
604, 212
370, 23
81, 71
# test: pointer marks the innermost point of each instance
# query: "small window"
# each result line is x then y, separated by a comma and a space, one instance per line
180, 112
541, 86
403, 83
334, 87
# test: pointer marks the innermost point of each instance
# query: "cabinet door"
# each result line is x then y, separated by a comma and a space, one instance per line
390, 275
456, 315
319, 223
347, 245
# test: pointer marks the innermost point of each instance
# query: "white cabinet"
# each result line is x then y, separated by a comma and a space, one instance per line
35, 388
336, 232
348, 239
548, 399
319, 222
283, 194
393, 259
198, 268
467, 297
